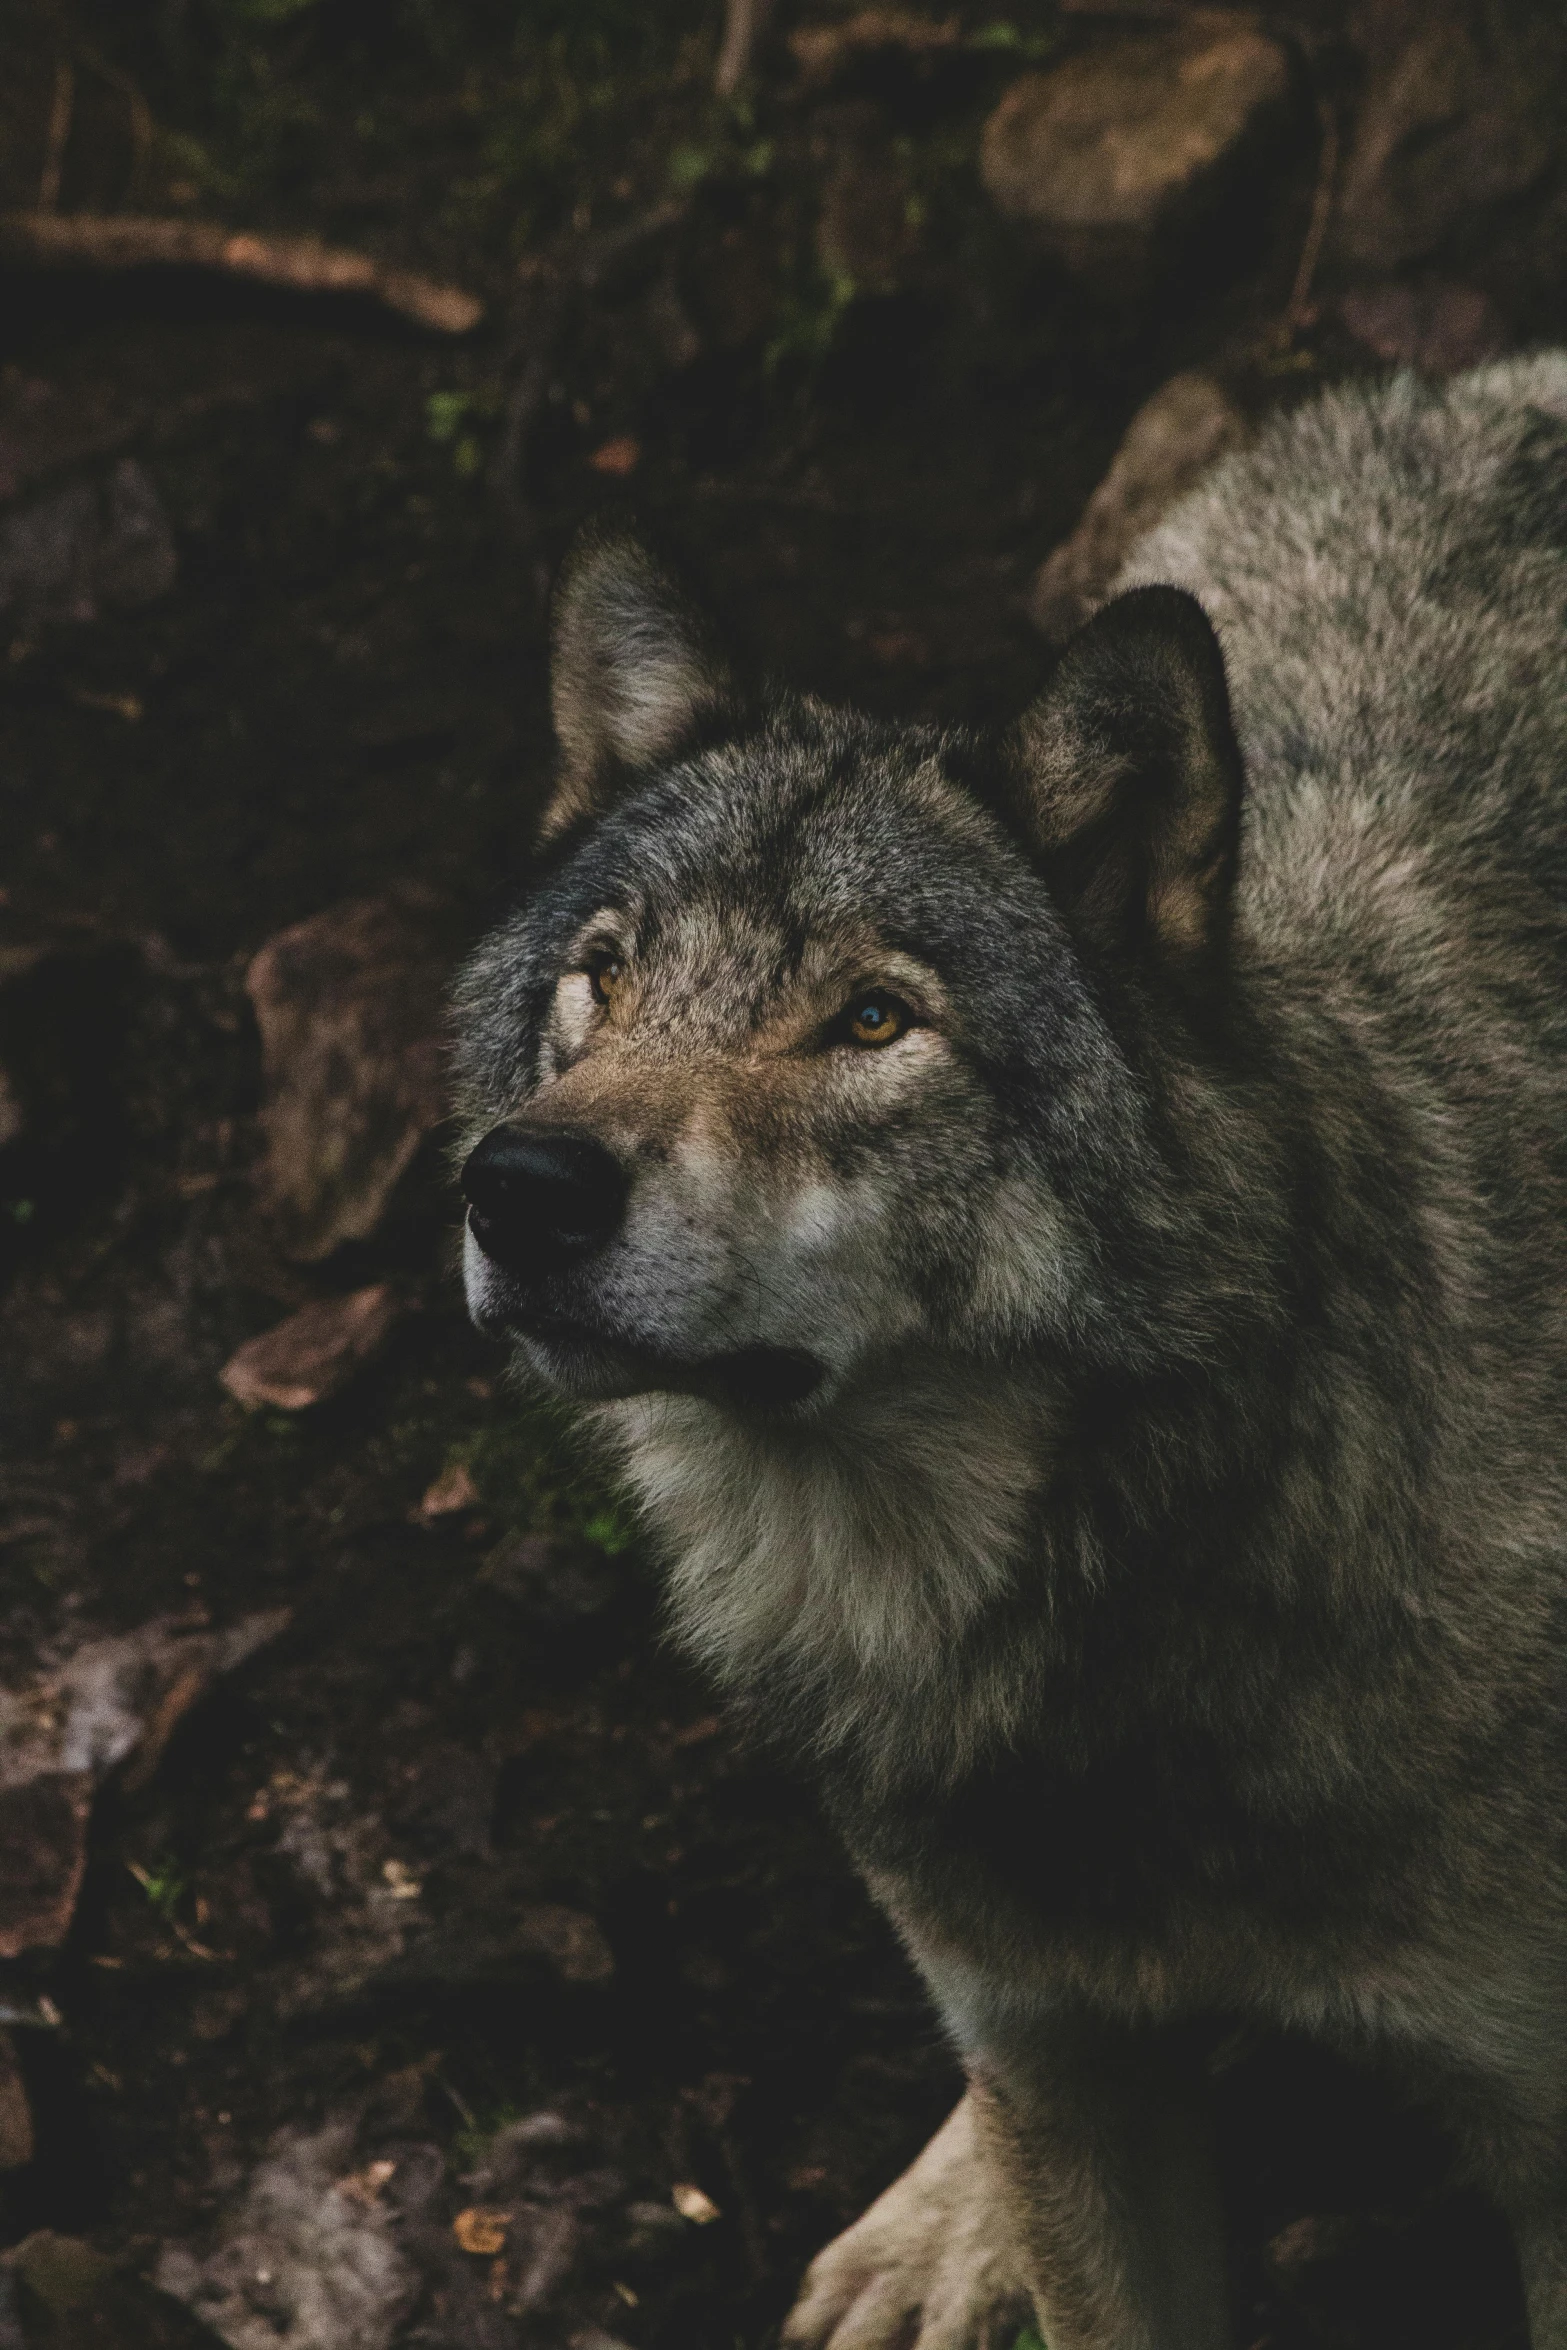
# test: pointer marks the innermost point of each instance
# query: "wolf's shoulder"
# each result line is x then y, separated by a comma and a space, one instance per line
1371, 493
1387, 571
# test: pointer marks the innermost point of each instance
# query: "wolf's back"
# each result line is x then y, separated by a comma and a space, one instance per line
1387, 570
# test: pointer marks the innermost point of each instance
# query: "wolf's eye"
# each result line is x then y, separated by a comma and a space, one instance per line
604, 976
876, 1018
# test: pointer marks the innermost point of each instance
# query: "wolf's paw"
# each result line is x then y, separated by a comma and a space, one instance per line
927, 2268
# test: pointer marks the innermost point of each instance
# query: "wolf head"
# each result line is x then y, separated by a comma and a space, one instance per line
825, 1047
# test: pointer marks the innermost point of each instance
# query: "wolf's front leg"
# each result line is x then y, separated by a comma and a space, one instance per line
931, 2266
1097, 2143
1076, 2180
1542, 2259
1076, 2183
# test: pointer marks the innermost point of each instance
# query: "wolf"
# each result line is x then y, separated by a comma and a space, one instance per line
1063, 1228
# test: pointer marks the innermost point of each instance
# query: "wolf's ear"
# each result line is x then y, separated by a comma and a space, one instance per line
1127, 776
634, 673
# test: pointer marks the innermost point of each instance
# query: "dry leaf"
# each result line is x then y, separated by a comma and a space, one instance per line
454, 1489
481, 2229
620, 456
308, 1357
364, 2186
692, 2204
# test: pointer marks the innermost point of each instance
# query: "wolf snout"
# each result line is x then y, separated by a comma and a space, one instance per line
535, 1200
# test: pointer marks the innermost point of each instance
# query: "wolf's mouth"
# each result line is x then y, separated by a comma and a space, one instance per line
590, 1363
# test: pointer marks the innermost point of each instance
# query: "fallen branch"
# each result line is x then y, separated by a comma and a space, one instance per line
84, 240
822, 51
744, 21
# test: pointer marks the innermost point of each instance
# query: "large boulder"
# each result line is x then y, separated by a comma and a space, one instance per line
1114, 159
1462, 110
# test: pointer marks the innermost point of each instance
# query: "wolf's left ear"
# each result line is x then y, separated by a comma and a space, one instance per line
634, 673
1127, 776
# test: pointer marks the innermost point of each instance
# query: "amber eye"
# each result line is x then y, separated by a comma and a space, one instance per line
604, 977
875, 1017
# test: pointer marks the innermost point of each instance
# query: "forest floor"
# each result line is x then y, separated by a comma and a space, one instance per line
460, 1872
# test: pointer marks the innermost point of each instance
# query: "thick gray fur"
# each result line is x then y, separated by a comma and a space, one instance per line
1166, 1578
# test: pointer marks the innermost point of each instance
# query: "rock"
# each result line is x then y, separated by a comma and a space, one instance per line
1438, 327
16, 2117
62, 1734
315, 1352
553, 1582
364, 1916
1167, 447
300, 2264
447, 1801
572, 1942
349, 1005
1114, 158
43, 1852
1461, 110
529, 2156
69, 2297
88, 544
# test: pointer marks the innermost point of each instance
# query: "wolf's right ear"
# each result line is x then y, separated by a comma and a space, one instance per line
634, 673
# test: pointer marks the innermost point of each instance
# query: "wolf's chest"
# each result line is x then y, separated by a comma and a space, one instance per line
1150, 1849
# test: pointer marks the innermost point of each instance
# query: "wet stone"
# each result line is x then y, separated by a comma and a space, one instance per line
1439, 327
108, 1702
1115, 157
1460, 113
1169, 445
89, 545
349, 1005
553, 1582
16, 2119
43, 1852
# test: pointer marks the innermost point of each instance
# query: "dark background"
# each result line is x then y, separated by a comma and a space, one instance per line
463, 1846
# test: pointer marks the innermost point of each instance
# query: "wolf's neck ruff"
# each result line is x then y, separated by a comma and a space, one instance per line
830, 1570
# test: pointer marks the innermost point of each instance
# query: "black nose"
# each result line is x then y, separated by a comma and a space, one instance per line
534, 1199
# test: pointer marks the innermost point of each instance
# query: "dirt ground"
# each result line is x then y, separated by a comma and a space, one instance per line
460, 1872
